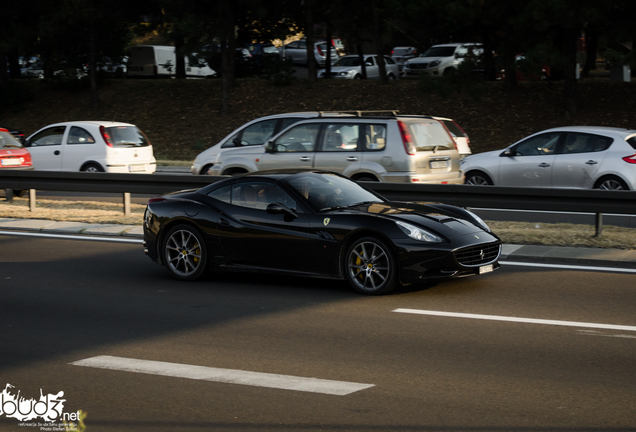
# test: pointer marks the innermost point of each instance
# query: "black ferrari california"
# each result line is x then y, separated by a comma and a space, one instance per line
315, 224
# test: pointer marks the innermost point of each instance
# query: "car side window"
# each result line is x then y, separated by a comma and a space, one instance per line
48, 137
585, 143
78, 135
258, 195
301, 138
370, 61
258, 133
340, 137
539, 145
286, 122
375, 137
223, 194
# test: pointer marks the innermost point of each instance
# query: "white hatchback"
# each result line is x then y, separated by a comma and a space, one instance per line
92, 146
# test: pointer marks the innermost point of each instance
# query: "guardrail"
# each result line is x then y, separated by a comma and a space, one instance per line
570, 200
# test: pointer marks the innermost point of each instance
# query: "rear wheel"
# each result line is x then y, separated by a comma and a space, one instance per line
185, 253
93, 168
370, 267
205, 169
478, 179
611, 183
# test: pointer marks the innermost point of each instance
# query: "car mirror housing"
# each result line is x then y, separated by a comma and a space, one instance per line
509, 153
270, 147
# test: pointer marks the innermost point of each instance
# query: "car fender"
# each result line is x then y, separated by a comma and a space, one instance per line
237, 162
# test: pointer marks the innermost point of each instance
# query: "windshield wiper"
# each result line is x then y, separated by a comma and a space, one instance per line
363, 203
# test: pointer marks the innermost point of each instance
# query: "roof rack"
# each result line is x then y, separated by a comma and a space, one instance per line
360, 113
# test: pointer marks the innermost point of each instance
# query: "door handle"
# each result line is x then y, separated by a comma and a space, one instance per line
223, 222
591, 162
305, 159
56, 152
352, 159
544, 165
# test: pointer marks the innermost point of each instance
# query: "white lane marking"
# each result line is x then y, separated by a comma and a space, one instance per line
569, 267
72, 237
598, 333
258, 379
517, 319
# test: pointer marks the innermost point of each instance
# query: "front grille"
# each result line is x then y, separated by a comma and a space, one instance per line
418, 65
474, 256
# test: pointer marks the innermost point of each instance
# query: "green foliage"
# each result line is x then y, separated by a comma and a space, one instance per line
76, 427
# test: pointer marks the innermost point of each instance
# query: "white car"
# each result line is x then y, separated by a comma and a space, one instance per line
442, 59
296, 51
461, 138
252, 133
92, 146
348, 67
580, 157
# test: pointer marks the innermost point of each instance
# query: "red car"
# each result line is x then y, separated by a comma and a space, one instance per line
12, 154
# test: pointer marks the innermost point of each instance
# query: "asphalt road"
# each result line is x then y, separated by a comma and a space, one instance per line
68, 301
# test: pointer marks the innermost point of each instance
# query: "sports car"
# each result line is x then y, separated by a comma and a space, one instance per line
315, 224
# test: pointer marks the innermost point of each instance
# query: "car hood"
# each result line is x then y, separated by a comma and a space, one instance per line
424, 59
433, 216
493, 157
337, 69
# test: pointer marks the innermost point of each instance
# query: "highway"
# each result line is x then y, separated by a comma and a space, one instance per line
521, 349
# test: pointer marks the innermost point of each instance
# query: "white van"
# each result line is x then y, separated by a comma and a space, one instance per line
155, 61
91, 146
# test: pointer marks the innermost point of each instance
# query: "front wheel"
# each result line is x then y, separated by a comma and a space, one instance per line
370, 267
478, 179
93, 168
185, 253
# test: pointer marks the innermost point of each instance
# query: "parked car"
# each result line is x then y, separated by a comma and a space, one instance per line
17, 134
401, 54
92, 146
442, 59
314, 224
297, 52
461, 138
581, 157
348, 67
361, 145
155, 61
252, 133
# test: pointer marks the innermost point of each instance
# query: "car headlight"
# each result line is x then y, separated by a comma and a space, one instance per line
479, 220
434, 63
417, 233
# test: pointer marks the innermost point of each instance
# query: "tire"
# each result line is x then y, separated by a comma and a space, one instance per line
391, 77
478, 179
611, 183
204, 170
370, 267
93, 168
357, 76
184, 253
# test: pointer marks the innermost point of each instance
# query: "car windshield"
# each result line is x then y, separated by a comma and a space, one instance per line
8, 141
127, 136
439, 52
330, 191
348, 61
429, 135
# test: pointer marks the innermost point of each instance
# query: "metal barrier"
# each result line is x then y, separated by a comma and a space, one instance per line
546, 199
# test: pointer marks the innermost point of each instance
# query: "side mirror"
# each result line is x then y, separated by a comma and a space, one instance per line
278, 208
509, 153
270, 147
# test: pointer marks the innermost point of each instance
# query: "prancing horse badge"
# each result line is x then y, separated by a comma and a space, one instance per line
326, 221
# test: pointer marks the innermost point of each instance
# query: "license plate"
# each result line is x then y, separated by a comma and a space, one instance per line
486, 269
439, 164
10, 162
136, 168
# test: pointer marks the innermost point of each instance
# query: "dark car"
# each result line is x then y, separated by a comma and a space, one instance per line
314, 224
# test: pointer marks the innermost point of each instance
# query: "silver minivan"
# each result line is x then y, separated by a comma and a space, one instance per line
386, 148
